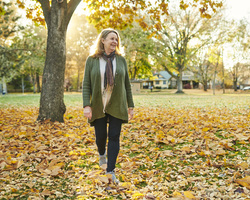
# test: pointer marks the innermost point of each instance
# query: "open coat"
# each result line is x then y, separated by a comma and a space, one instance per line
121, 98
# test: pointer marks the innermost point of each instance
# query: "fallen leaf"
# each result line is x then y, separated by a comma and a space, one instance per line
189, 195
137, 194
177, 194
243, 165
104, 179
220, 152
46, 192
19, 163
244, 182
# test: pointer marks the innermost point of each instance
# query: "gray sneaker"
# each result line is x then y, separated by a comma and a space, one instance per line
102, 160
113, 177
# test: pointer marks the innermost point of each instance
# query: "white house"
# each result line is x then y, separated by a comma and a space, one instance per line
163, 80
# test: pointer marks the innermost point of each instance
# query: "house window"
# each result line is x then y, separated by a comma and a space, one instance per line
157, 82
164, 82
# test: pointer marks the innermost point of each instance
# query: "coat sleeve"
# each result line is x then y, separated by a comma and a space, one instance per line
128, 87
86, 84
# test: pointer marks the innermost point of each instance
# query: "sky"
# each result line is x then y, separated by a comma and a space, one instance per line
238, 9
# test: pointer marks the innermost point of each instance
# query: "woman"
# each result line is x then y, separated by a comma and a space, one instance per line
107, 96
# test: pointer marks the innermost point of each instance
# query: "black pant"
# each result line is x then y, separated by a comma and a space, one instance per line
114, 131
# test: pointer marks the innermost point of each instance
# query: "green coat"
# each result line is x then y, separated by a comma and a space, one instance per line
121, 97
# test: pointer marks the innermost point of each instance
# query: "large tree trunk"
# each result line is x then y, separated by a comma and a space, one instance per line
235, 84
179, 82
51, 102
57, 14
205, 86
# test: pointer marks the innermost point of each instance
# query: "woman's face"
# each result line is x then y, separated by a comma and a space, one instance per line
110, 43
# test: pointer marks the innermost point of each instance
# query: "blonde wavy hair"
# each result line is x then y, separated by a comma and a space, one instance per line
97, 49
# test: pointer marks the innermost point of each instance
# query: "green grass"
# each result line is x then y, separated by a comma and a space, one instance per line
191, 98
16, 100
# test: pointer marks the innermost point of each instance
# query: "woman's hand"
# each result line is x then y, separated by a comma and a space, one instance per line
88, 112
131, 113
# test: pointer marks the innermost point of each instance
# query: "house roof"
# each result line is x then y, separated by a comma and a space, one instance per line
135, 81
165, 75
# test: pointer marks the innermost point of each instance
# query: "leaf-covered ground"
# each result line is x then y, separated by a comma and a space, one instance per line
167, 152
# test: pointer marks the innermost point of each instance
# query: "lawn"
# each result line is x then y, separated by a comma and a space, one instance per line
189, 146
164, 98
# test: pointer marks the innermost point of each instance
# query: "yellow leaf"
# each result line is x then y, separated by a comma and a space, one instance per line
134, 147
74, 157
137, 194
189, 195
34, 190
177, 194
186, 149
220, 152
244, 182
13, 190
170, 138
96, 166
82, 153
205, 129
56, 167
126, 184
46, 192
171, 132
202, 153
19, 163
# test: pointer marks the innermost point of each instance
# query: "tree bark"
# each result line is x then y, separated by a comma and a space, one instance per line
57, 17
34, 83
38, 88
235, 77
23, 84
215, 72
223, 75
235, 85
5, 90
78, 78
205, 86
214, 82
179, 81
